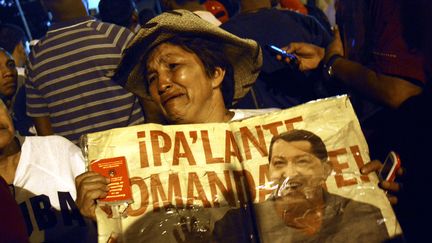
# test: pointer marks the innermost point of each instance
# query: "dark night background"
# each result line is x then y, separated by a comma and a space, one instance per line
38, 20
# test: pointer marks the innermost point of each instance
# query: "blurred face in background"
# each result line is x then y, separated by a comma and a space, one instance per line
8, 75
7, 130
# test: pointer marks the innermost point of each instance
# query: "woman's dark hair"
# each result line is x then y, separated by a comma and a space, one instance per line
183, 2
118, 12
10, 36
212, 56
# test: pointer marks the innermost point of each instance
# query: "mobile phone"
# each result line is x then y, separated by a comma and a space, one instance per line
277, 51
390, 167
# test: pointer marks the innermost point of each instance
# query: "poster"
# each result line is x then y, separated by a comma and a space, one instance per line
215, 183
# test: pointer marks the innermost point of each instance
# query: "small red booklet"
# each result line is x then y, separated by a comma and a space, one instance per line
116, 170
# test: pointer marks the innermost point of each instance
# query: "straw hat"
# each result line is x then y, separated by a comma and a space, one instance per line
244, 54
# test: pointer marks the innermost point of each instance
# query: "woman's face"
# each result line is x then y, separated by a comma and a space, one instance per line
8, 75
179, 85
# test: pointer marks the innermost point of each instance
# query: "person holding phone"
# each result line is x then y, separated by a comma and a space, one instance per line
409, 130
392, 187
279, 85
410, 127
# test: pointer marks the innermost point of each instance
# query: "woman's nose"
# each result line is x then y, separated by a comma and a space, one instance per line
164, 82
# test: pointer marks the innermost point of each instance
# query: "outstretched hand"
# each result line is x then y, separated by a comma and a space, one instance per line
391, 187
309, 55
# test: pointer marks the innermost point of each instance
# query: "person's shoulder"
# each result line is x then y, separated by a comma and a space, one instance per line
248, 17
240, 114
98, 25
116, 34
49, 139
298, 17
53, 151
36, 47
50, 142
291, 14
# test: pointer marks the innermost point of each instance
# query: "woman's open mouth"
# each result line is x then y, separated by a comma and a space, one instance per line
166, 98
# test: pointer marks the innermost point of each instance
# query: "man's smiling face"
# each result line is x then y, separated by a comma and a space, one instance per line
296, 170
8, 75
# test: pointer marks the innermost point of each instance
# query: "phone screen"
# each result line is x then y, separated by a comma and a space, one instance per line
385, 170
276, 50
390, 166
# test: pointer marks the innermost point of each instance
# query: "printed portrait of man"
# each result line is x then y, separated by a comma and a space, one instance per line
300, 209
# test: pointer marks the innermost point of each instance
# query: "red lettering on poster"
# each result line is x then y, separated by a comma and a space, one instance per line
208, 151
157, 148
231, 148
180, 141
259, 144
227, 192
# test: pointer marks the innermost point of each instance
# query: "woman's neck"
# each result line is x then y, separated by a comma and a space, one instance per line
6, 100
217, 111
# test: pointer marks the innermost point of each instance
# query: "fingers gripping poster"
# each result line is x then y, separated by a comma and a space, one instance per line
287, 176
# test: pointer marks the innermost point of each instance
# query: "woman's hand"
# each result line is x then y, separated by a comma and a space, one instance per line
90, 186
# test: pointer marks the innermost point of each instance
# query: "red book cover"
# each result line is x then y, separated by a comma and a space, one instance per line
116, 170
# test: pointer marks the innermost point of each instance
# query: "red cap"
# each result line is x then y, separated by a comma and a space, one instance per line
217, 9
294, 5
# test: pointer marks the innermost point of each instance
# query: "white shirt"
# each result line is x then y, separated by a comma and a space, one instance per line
240, 114
45, 190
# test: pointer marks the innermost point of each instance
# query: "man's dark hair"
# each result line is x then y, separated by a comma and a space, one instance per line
167, 4
145, 15
10, 36
118, 12
318, 147
212, 56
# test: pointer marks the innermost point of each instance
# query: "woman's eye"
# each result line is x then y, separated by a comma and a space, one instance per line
173, 65
151, 78
10, 64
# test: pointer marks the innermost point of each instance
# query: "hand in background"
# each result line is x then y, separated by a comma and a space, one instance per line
335, 47
309, 55
90, 186
391, 187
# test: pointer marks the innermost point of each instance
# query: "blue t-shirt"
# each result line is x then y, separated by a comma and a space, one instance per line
279, 85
